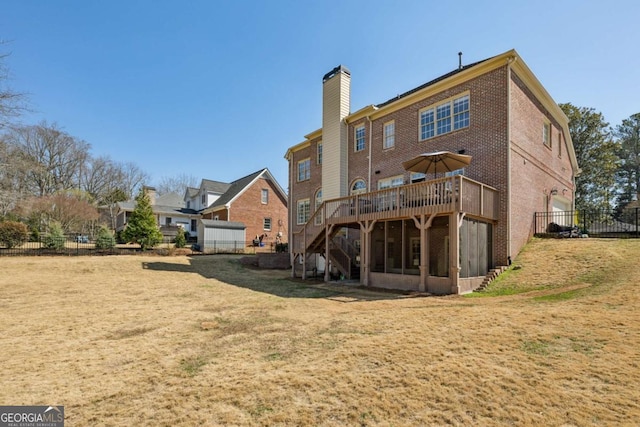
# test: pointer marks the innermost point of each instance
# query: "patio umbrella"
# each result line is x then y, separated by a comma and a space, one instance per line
439, 161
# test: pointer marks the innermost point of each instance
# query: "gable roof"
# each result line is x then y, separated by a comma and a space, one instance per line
430, 83
167, 204
237, 187
214, 186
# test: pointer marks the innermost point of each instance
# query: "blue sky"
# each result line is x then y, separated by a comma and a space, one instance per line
220, 89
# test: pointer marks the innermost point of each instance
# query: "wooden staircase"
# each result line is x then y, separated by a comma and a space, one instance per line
490, 277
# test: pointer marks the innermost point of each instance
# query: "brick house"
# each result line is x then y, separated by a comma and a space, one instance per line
256, 200
354, 204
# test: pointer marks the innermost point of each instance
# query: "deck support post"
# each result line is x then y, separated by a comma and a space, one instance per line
455, 222
366, 227
423, 222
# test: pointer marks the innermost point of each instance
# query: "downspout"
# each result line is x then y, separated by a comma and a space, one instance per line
510, 61
370, 141
292, 256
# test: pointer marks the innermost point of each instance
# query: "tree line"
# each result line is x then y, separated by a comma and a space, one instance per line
609, 160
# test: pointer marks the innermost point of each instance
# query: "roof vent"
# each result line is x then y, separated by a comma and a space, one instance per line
459, 60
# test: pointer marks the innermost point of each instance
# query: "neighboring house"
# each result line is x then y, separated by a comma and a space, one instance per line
256, 200
202, 197
169, 210
217, 213
355, 205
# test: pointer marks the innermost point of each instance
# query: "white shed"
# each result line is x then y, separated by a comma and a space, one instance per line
221, 236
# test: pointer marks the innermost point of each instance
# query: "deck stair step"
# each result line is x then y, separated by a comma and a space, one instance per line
490, 277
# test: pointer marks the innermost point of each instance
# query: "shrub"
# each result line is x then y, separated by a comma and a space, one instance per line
105, 239
282, 247
180, 240
13, 233
55, 238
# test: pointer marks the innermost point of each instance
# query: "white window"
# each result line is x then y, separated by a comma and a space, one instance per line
389, 135
358, 187
319, 158
461, 112
546, 134
394, 181
359, 145
265, 196
559, 144
303, 211
266, 224
454, 173
417, 177
318, 202
445, 117
304, 170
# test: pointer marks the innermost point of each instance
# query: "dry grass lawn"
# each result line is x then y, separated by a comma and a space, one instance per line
204, 341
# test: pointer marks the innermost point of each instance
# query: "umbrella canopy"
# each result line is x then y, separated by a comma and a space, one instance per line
439, 161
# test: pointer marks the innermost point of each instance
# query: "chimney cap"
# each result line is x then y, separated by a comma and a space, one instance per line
336, 70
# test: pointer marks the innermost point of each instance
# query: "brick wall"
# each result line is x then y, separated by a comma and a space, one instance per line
249, 209
485, 140
536, 169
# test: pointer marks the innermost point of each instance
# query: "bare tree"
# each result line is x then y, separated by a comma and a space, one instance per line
69, 209
12, 178
12, 103
176, 184
53, 157
131, 177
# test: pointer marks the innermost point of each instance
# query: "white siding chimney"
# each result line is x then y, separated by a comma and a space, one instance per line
336, 104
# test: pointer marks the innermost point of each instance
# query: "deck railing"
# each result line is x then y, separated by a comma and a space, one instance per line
444, 195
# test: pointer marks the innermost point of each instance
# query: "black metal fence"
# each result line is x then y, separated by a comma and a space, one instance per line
68, 245
591, 223
84, 245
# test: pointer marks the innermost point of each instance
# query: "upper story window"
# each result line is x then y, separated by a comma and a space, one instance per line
303, 211
319, 157
264, 197
358, 187
359, 144
188, 204
389, 135
394, 181
546, 134
304, 170
266, 224
203, 199
559, 144
461, 112
445, 117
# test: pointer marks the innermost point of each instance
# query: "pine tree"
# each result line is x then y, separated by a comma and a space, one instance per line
628, 134
596, 155
142, 227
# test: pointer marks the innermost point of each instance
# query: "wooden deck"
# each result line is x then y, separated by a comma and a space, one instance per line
439, 196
